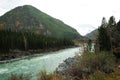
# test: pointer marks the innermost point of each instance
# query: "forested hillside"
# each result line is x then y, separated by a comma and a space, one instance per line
11, 40
27, 28
29, 18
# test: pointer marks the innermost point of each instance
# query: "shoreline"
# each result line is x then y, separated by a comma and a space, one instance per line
20, 55
67, 64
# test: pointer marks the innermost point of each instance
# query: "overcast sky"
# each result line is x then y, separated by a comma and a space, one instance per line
83, 15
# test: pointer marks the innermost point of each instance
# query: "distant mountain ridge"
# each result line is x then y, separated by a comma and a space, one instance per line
92, 35
28, 18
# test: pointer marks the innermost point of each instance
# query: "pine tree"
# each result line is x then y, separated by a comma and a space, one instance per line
104, 22
118, 27
103, 37
111, 30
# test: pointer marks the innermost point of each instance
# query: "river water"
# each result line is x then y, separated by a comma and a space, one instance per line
33, 65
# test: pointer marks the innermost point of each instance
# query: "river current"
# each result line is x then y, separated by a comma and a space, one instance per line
33, 65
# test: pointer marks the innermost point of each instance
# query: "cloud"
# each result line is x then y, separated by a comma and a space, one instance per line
6, 5
83, 29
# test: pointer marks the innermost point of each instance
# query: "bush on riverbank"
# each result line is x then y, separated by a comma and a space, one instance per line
89, 63
99, 75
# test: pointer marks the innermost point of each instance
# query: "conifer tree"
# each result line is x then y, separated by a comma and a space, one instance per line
103, 37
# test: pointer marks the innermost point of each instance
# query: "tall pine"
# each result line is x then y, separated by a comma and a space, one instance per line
103, 37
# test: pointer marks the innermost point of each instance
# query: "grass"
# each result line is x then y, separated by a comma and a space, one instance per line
44, 76
20, 77
40, 76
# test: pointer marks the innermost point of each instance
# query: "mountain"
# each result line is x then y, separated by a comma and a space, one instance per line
92, 35
29, 18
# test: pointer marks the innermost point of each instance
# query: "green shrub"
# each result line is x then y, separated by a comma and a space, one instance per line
88, 63
103, 61
98, 75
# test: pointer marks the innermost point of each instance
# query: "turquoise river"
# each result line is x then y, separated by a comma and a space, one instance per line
33, 65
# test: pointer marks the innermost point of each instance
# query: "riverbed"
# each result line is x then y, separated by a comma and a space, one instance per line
33, 65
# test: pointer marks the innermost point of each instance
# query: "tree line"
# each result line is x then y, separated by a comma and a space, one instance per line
26, 40
109, 36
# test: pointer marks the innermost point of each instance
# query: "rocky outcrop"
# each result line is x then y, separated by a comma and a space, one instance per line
64, 67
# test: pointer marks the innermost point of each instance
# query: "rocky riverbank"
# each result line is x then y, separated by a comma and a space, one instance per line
89, 65
64, 67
